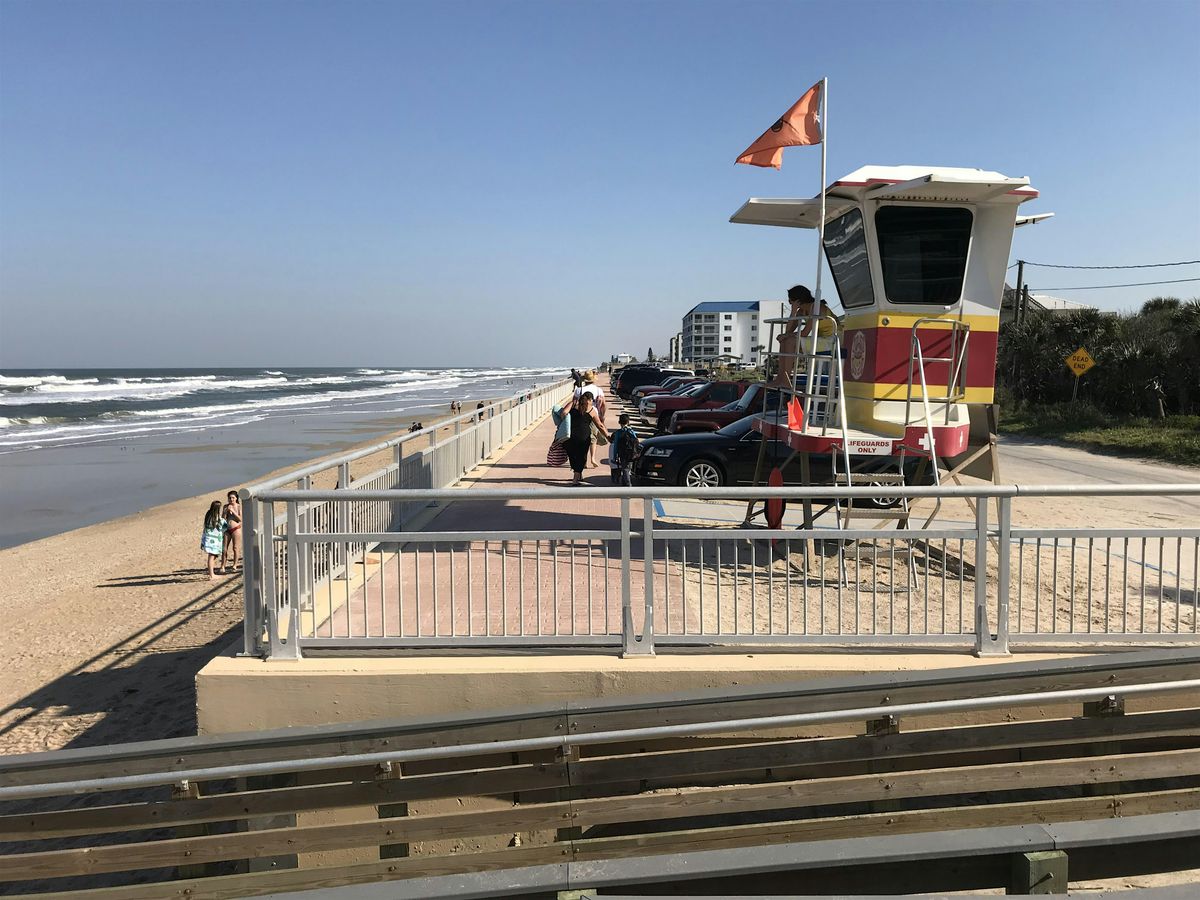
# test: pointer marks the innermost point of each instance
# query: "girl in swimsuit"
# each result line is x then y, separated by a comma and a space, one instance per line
233, 535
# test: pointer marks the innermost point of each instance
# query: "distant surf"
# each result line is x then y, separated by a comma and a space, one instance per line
73, 407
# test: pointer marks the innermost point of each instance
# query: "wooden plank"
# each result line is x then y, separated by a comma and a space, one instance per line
656, 806
893, 822
225, 807
674, 765
193, 753
915, 821
808, 700
828, 751
230, 887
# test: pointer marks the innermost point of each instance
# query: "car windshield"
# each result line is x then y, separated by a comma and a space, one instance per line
738, 429
693, 389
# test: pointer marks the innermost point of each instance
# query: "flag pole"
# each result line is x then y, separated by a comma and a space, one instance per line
824, 145
815, 324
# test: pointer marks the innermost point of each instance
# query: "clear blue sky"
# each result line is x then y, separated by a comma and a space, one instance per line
387, 183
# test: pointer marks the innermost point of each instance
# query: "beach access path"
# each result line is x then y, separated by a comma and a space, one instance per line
105, 627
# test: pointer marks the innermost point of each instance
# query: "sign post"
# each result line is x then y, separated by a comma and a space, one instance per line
1079, 362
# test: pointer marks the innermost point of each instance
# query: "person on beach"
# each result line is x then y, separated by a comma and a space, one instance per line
588, 386
583, 418
577, 378
479, 411
232, 513
212, 538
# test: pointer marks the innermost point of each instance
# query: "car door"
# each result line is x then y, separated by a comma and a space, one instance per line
742, 455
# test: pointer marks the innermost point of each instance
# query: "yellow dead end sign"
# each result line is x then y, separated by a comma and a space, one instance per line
1080, 361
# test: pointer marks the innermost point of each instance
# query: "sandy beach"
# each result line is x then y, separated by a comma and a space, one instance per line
108, 625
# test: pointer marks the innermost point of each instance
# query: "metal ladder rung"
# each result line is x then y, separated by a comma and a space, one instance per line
876, 478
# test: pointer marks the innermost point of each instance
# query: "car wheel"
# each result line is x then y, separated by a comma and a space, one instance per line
882, 501
702, 473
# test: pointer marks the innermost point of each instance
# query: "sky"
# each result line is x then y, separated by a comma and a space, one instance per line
358, 183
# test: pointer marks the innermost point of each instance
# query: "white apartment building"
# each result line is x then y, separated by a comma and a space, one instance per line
728, 328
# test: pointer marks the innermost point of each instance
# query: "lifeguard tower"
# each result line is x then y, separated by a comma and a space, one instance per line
918, 256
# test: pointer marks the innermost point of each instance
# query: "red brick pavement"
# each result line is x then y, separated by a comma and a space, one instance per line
495, 587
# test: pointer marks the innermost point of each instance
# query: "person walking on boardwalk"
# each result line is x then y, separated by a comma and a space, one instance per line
213, 537
232, 513
623, 450
588, 386
583, 417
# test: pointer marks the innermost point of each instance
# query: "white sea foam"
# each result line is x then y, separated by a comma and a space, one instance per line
389, 390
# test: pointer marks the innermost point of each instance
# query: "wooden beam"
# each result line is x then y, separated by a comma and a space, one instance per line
663, 805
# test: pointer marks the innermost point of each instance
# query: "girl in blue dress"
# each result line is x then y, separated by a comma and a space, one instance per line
212, 538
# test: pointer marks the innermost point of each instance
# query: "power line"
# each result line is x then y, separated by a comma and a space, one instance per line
1185, 262
1097, 287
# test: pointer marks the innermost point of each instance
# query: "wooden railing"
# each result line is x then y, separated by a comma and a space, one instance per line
535, 792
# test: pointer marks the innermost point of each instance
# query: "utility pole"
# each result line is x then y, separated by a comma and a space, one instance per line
1018, 312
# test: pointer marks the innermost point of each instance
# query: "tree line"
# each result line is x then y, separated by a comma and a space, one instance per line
1147, 362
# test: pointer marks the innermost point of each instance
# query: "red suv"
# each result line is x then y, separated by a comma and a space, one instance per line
693, 420
658, 408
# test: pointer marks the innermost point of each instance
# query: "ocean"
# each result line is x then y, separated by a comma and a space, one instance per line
80, 446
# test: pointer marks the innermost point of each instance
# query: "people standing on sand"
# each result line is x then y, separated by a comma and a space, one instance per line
583, 419
588, 386
479, 411
577, 378
232, 513
212, 538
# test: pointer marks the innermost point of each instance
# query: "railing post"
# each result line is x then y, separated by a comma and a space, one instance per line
289, 646
647, 639
275, 648
253, 560
398, 507
340, 552
985, 643
308, 573
629, 639
458, 466
1004, 576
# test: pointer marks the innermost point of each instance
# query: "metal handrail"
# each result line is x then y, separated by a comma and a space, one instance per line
567, 739
256, 490
744, 493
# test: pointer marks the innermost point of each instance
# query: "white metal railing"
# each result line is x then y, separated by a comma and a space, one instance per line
426, 459
518, 570
956, 372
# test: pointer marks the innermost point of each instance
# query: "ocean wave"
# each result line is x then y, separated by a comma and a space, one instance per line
132, 404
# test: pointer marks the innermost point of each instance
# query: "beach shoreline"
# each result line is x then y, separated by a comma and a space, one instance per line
110, 622
57, 491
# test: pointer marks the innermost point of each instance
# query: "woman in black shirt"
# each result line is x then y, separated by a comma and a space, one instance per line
582, 414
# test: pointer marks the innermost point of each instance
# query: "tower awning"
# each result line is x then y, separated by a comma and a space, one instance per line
789, 213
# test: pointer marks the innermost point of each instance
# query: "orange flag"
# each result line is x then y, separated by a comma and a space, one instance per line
795, 415
799, 126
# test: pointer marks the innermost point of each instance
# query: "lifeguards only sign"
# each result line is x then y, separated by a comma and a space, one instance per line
1080, 361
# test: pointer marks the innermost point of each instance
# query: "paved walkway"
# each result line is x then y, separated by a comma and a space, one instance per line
474, 586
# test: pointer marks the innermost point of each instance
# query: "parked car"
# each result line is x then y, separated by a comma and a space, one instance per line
751, 402
667, 387
724, 457
657, 410
646, 377
626, 379
728, 457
